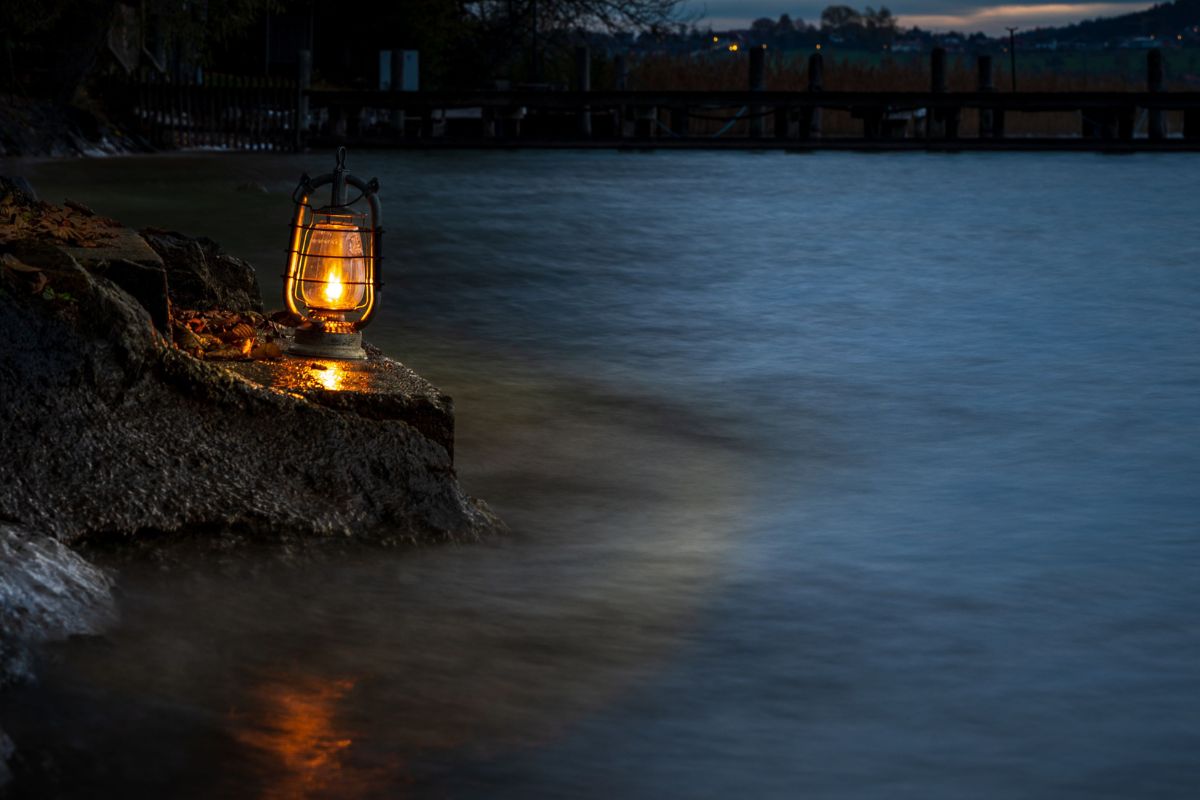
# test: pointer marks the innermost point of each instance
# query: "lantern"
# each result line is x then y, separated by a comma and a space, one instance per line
333, 270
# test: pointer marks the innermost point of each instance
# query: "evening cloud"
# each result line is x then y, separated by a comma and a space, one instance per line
962, 15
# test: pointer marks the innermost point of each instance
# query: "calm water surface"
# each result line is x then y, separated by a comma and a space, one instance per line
829, 475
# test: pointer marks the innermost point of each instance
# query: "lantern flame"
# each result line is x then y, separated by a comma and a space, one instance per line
333, 289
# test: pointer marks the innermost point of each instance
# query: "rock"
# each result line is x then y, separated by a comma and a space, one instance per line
146, 284
252, 187
111, 432
200, 276
20, 185
47, 592
32, 126
6, 752
120, 244
82, 208
376, 388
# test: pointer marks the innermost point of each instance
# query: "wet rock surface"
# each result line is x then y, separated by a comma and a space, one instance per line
375, 388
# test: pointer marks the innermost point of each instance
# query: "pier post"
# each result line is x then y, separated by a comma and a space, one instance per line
937, 83
937, 70
758, 80
1126, 120
239, 117
396, 119
646, 122
940, 123
621, 70
1101, 123
987, 116
1191, 123
583, 84
786, 123
810, 122
1155, 129
679, 122
303, 81
340, 116
175, 98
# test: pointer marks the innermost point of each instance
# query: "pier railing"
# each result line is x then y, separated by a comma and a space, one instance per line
260, 113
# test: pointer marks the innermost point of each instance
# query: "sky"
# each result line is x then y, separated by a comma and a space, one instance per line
967, 16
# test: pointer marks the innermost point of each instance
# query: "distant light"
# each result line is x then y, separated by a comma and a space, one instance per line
1179, 36
733, 48
818, 47
764, 47
716, 38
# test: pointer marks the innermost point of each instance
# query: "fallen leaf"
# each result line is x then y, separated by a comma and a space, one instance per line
266, 351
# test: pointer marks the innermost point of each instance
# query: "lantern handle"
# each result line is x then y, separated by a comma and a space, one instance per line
300, 198
370, 190
303, 189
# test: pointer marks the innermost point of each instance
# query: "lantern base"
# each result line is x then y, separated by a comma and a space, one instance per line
316, 343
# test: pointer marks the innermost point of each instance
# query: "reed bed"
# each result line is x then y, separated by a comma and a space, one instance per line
853, 72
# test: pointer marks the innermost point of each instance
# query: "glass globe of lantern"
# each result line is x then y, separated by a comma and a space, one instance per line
333, 270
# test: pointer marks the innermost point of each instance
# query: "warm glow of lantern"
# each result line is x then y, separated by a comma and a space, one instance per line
333, 289
334, 272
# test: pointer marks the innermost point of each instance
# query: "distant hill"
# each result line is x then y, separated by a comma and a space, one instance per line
1164, 22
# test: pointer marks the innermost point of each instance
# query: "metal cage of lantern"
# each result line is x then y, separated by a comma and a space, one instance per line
354, 224
326, 335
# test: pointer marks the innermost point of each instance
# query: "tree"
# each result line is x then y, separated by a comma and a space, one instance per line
880, 25
60, 43
839, 18
762, 28
785, 24
564, 15
501, 27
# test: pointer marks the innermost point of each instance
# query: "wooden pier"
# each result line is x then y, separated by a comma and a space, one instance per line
247, 114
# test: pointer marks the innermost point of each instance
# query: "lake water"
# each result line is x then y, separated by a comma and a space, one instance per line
830, 475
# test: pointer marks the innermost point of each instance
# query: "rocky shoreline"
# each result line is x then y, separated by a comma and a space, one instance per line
32, 127
115, 432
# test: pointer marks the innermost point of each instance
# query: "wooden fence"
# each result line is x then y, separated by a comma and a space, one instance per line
214, 111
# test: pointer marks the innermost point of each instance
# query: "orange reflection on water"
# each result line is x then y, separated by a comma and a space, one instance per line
297, 728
